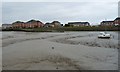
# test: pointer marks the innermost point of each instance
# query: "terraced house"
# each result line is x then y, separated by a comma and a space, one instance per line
79, 23
107, 23
29, 24
34, 24
18, 24
53, 24
5, 26
115, 22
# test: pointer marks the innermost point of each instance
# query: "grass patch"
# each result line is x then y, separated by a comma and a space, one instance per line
62, 29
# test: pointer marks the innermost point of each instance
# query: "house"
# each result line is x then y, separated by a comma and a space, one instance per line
5, 26
29, 24
79, 23
56, 24
107, 23
111, 23
18, 24
34, 24
48, 25
117, 21
53, 24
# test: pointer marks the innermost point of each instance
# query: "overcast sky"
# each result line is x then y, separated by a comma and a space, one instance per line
60, 0
93, 12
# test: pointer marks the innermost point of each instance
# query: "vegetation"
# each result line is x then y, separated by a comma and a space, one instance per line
66, 28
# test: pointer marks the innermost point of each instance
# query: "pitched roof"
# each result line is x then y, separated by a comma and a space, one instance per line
106, 21
118, 18
17, 22
6, 24
31, 21
78, 23
47, 23
55, 22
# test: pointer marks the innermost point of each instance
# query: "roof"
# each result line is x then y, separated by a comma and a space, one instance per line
17, 22
32, 21
6, 24
55, 22
118, 18
47, 23
106, 21
78, 23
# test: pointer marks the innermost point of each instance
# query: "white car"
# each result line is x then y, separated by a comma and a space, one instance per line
104, 35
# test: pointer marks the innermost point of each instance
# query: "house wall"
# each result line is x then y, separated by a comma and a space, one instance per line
18, 25
117, 22
107, 24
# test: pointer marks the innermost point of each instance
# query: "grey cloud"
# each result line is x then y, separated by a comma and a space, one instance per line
60, 0
93, 12
119, 9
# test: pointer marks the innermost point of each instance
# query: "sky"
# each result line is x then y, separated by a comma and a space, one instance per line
60, 0
119, 8
91, 11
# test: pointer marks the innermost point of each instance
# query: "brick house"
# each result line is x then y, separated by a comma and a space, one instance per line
29, 24
111, 23
107, 23
79, 23
18, 24
34, 24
